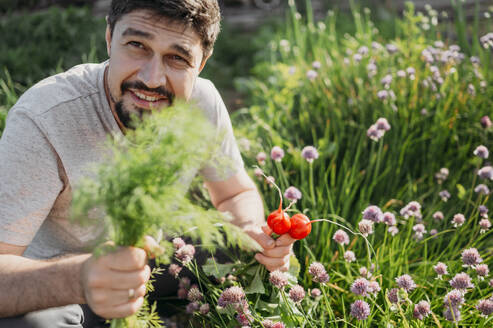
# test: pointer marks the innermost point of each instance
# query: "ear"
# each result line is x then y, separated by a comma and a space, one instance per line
108, 40
204, 60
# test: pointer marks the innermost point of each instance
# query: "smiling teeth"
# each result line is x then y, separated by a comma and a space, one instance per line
144, 97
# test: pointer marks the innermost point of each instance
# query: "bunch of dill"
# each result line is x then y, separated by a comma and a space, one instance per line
142, 189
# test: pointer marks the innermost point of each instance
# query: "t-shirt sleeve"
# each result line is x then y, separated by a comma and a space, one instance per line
29, 179
227, 161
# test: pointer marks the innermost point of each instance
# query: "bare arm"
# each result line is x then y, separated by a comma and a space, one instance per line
29, 285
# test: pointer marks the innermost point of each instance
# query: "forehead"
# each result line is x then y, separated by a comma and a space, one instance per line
159, 28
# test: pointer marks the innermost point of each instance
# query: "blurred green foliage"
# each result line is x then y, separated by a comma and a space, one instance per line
38, 44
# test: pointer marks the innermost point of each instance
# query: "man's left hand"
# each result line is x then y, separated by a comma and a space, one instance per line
276, 253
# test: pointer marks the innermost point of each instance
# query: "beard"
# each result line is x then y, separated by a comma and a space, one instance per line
127, 114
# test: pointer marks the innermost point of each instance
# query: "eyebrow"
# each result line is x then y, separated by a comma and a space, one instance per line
185, 52
134, 32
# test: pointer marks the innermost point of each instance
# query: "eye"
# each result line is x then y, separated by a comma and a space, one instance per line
178, 58
136, 44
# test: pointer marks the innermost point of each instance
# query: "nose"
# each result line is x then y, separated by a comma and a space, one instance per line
153, 73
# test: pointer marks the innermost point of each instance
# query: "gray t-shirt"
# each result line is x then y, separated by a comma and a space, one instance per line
54, 134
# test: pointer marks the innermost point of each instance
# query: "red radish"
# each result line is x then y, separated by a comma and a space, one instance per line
301, 226
279, 221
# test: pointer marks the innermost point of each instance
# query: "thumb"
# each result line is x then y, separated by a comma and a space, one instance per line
152, 247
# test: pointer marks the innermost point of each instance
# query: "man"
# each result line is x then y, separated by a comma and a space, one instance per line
56, 130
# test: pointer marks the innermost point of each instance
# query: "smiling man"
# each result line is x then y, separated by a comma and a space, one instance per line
57, 130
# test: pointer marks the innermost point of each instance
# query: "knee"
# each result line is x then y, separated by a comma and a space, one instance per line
70, 316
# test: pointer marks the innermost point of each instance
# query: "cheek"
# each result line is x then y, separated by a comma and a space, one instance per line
182, 83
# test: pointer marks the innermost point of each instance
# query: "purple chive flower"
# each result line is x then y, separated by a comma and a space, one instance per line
278, 279
261, 157
258, 172
452, 314
444, 195
401, 73
185, 254
360, 287
419, 230
386, 80
309, 153
393, 295
440, 269
363, 271
482, 270
454, 298
270, 180
391, 48
231, 296
438, 215
311, 75
174, 270
442, 175
292, 193
382, 94
373, 288
349, 256
458, 220
410, 71
184, 283
192, 307
481, 151
421, 310
424, 111
483, 211
182, 293
297, 293
316, 65
486, 122
482, 189
373, 213
486, 172
244, 318
204, 309
461, 281
411, 209
341, 237
178, 243
471, 257
485, 307
276, 153
317, 270
315, 292
374, 133
363, 50
365, 227
357, 57
360, 310
393, 230
433, 232
484, 224
194, 295
389, 219
406, 282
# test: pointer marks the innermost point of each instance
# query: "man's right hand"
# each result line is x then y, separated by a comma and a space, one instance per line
114, 284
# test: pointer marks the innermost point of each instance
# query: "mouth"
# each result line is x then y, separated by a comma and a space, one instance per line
148, 101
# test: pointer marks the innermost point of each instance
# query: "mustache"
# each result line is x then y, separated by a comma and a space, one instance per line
162, 91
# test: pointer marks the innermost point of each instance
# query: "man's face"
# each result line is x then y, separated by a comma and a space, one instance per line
151, 61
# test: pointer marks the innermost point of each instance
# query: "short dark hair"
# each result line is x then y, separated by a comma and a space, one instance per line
202, 15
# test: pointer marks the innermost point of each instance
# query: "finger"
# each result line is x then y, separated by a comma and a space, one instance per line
260, 237
280, 251
124, 310
125, 259
121, 296
267, 230
122, 279
113, 297
152, 247
285, 240
271, 263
